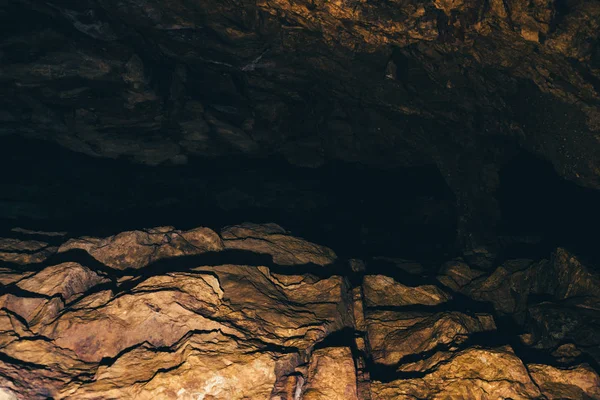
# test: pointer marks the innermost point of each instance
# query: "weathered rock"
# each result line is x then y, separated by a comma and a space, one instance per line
511, 285
331, 375
271, 239
456, 275
395, 335
204, 365
574, 321
580, 382
401, 83
381, 290
557, 301
138, 249
220, 331
573, 278
567, 353
508, 287
24, 251
127, 326
439, 39
474, 373
67, 280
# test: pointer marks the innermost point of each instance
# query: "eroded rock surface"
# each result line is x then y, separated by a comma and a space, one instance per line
461, 85
169, 314
471, 374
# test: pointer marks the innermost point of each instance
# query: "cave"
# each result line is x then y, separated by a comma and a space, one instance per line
299, 200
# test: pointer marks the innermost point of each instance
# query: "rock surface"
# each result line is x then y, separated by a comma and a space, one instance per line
385, 291
170, 314
472, 374
461, 85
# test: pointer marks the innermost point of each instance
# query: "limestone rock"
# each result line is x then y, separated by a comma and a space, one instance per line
271, 239
555, 300
331, 375
67, 280
380, 290
456, 275
226, 331
580, 382
396, 335
475, 373
510, 285
139, 315
205, 364
138, 249
24, 251
574, 321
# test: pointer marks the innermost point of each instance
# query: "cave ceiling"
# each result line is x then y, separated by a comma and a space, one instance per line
463, 85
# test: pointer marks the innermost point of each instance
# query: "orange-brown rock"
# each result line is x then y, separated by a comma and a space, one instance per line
138, 249
67, 280
475, 373
203, 365
331, 375
220, 331
556, 300
271, 239
381, 290
580, 382
123, 324
510, 285
24, 251
456, 275
394, 335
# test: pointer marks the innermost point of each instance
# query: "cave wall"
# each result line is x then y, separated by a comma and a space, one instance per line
462, 85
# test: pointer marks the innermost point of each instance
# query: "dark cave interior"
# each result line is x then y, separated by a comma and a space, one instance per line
360, 211
299, 199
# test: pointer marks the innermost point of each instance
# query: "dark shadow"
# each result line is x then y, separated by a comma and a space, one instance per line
357, 210
536, 202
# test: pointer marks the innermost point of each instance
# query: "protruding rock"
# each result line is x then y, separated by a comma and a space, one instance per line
474, 373
24, 251
138, 249
457, 275
272, 239
116, 329
67, 279
395, 335
331, 375
381, 290
580, 382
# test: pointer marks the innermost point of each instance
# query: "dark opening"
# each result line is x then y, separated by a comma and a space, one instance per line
536, 202
357, 210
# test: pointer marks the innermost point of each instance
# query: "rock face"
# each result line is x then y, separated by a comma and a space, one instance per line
169, 314
472, 374
461, 85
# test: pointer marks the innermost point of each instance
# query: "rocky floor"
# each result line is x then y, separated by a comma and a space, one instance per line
253, 312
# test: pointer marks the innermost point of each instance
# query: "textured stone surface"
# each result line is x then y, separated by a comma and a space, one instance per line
461, 85
395, 335
574, 383
24, 252
271, 239
385, 291
137, 249
556, 300
472, 374
169, 314
331, 375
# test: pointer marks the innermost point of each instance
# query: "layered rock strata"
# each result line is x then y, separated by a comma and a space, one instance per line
253, 312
